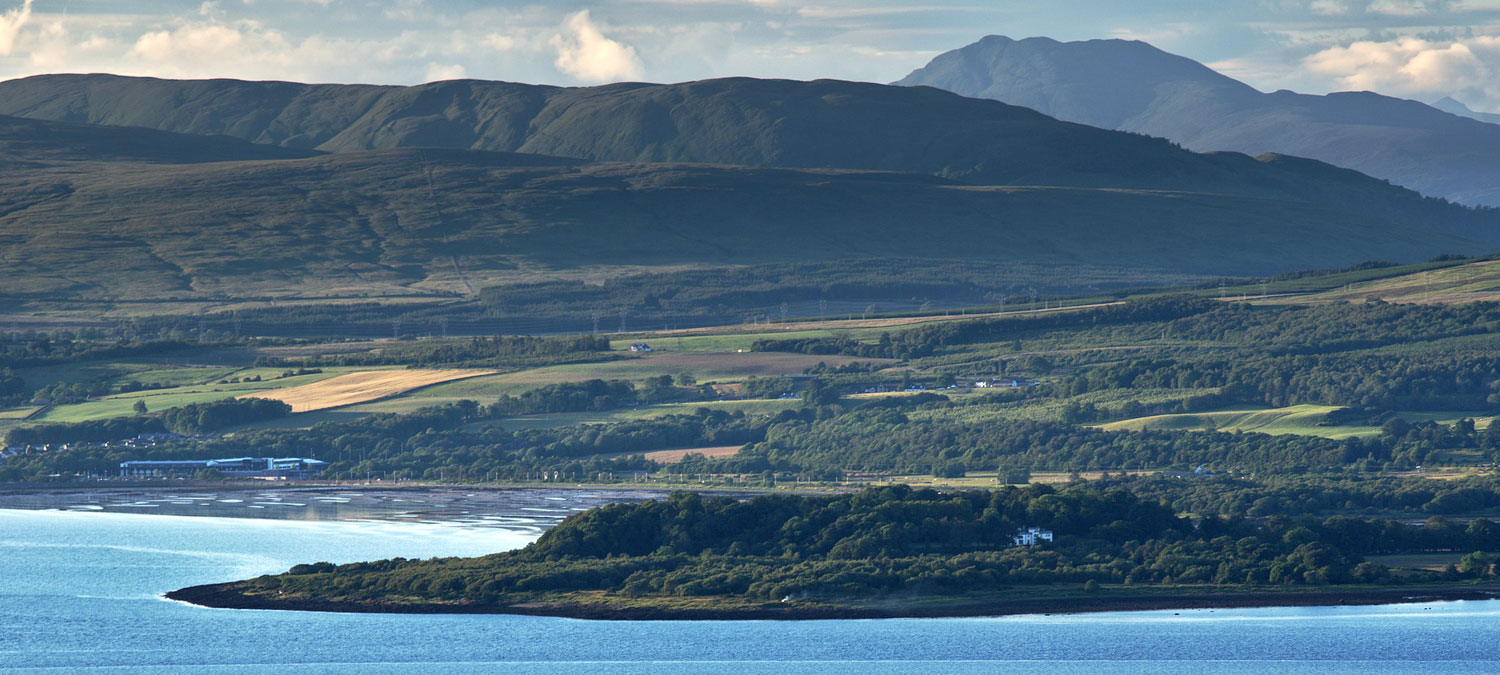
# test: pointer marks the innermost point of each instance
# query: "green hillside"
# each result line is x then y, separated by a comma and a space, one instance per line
707, 202
445, 224
740, 121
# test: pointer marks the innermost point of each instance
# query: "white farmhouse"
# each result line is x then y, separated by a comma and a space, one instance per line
1031, 536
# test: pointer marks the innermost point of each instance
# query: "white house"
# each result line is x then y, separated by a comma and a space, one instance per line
1031, 536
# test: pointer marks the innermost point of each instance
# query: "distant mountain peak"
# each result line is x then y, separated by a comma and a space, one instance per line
1133, 86
1448, 104
1103, 83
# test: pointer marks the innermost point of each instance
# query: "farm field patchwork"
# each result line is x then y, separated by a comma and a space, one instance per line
361, 387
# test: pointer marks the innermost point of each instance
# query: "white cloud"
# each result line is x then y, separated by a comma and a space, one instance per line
1414, 67
1424, 69
584, 53
11, 24
437, 72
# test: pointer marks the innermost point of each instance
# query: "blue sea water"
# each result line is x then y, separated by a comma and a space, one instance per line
81, 593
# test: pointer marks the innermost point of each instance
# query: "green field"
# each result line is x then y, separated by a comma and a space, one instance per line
1048, 409
200, 391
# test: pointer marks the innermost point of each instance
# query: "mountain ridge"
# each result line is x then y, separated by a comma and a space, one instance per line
1132, 86
740, 121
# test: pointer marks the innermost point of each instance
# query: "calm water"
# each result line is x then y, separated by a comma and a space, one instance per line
79, 592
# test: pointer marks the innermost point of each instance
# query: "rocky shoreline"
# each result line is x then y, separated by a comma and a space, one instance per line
226, 596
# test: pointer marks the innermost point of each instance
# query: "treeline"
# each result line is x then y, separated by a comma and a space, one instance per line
864, 545
1467, 382
1335, 327
442, 442
1273, 495
32, 349
597, 395
1267, 331
25, 350
196, 418
499, 350
887, 440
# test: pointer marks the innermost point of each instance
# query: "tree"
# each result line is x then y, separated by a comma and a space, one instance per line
949, 470
140, 406
686, 380
819, 393
1014, 475
1475, 564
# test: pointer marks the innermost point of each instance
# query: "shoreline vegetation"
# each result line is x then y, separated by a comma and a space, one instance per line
229, 596
896, 552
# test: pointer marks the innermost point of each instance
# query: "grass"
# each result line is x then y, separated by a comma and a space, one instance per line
1416, 561
1051, 409
555, 420
1452, 282
362, 387
705, 366
1301, 420
18, 413
733, 338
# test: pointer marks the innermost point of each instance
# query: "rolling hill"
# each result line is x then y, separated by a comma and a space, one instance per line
1132, 86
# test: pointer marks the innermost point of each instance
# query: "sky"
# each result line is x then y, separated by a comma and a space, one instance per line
1422, 49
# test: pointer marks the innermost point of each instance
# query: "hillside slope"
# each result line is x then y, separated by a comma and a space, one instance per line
1132, 86
740, 121
450, 222
32, 143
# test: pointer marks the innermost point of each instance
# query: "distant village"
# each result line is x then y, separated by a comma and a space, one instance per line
141, 441
266, 468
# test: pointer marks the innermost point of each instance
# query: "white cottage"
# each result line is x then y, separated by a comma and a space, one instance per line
1031, 536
